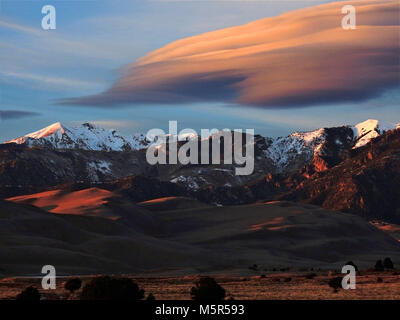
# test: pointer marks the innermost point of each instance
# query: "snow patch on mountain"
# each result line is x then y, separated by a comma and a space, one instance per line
86, 137
98, 167
283, 150
188, 181
369, 129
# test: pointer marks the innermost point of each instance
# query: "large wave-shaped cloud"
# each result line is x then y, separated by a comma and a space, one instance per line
300, 58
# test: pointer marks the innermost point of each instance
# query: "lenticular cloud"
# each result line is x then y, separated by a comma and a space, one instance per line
300, 58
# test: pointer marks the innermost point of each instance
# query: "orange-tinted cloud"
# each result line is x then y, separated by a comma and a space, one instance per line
300, 58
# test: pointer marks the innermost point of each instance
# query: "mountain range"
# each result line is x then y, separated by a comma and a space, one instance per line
110, 211
85, 137
98, 152
290, 167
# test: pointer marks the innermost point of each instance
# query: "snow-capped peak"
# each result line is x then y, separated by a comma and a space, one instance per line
283, 151
369, 129
53, 129
86, 136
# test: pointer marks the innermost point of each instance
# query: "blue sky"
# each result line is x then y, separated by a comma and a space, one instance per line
95, 39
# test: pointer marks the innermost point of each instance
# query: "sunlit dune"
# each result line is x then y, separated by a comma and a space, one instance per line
390, 228
272, 202
171, 203
286, 226
159, 200
272, 222
87, 201
302, 57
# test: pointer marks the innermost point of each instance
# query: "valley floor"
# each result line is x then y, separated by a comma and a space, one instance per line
276, 286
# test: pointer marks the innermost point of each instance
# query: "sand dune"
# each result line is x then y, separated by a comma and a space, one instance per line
31, 238
88, 201
187, 241
172, 203
281, 233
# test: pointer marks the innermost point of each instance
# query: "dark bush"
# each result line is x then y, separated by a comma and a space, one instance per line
388, 264
107, 288
310, 275
379, 280
288, 279
254, 267
335, 283
351, 263
379, 266
207, 289
73, 284
150, 297
29, 294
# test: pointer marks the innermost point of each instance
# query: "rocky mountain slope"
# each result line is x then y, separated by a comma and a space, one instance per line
366, 182
26, 170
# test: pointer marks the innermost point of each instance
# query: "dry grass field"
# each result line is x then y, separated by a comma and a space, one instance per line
276, 286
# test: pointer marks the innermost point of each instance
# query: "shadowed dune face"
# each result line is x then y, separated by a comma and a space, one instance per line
187, 241
280, 233
302, 57
31, 238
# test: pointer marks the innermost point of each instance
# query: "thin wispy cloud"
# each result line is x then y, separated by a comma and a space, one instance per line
300, 58
51, 81
16, 114
61, 43
21, 28
115, 124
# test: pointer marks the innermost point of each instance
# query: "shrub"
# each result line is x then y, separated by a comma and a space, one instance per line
107, 288
207, 289
379, 280
388, 264
335, 283
310, 275
73, 284
351, 263
379, 266
29, 294
150, 297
